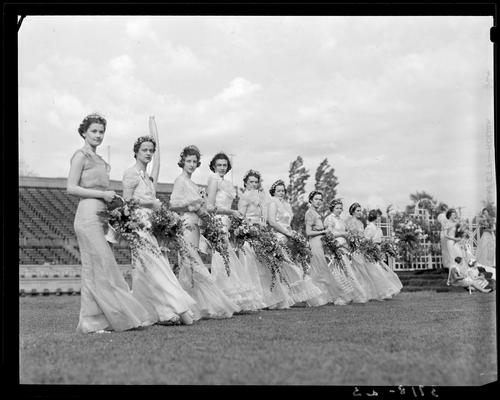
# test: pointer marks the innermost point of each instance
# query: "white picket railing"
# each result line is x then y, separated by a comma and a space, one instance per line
427, 261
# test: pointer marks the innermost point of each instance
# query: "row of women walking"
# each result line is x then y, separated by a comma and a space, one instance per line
157, 295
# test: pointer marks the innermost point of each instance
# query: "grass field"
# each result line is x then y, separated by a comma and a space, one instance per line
421, 338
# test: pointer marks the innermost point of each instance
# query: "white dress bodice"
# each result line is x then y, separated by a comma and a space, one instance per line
184, 194
373, 233
256, 205
284, 215
336, 225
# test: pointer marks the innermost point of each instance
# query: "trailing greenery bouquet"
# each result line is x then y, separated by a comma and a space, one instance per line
168, 228
389, 248
353, 241
215, 233
240, 231
370, 250
333, 249
299, 250
269, 250
126, 220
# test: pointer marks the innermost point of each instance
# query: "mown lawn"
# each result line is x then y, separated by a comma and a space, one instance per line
421, 338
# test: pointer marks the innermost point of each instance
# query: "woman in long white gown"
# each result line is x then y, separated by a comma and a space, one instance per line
211, 302
302, 288
106, 302
253, 206
486, 247
330, 279
220, 195
358, 279
374, 233
376, 284
455, 243
153, 282
446, 260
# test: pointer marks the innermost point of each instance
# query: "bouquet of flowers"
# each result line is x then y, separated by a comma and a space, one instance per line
126, 221
168, 228
353, 243
389, 248
299, 250
268, 249
462, 230
408, 237
333, 249
239, 231
214, 232
370, 250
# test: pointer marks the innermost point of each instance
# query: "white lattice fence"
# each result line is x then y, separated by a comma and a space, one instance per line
428, 260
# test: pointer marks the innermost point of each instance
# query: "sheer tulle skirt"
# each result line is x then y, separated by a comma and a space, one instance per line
106, 301
391, 277
368, 280
155, 285
278, 297
238, 289
486, 249
333, 283
211, 302
384, 286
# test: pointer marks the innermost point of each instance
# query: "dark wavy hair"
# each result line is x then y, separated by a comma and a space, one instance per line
353, 207
334, 202
449, 212
141, 140
372, 215
220, 156
279, 182
190, 150
314, 193
89, 120
252, 172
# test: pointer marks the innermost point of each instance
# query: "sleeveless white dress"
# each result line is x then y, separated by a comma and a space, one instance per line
256, 211
301, 288
106, 301
237, 285
358, 280
330, 279
374, 233
153, 282
211, 302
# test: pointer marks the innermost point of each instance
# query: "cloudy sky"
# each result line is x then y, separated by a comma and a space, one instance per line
396, 104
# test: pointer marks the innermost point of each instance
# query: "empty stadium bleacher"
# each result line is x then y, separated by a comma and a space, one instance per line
46, 215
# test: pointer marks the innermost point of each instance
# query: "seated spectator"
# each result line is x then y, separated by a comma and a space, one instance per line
487, 272
468, 280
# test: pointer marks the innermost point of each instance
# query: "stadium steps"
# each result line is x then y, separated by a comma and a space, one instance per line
54, 279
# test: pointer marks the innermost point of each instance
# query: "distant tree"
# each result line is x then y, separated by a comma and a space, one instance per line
426, 201
326, 181
298, 176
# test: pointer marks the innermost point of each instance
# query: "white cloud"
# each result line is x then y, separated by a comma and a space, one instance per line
122, 65
239, 88
141, 28
396, 104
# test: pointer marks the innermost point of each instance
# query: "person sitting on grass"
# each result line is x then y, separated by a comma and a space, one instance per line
482, 270
456, 278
